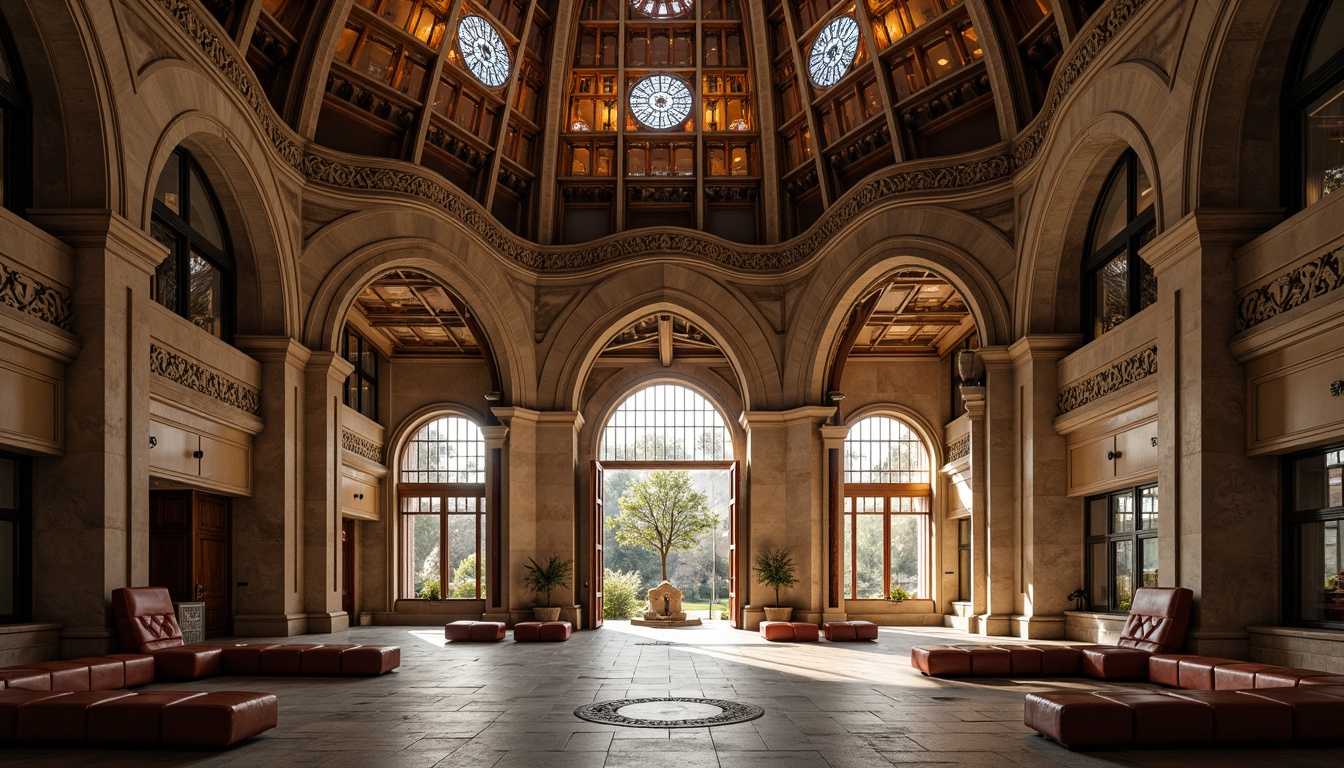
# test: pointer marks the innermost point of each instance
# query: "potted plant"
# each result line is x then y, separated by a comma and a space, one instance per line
898, 595
542, 579
775, 569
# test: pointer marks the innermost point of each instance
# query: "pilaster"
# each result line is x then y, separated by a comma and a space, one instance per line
324, 380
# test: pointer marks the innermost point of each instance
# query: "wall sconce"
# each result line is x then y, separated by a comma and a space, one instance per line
494, 397
969, 368
835, 397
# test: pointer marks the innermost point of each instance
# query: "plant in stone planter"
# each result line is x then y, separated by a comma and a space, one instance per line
775, 569
543, 579
898, 595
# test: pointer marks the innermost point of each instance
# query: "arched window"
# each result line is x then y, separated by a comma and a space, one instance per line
443, 513
887, 510
666, 422
1117, 284
16, 145
1314, 108
196, 280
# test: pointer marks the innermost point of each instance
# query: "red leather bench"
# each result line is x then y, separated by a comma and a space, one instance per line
216, 719
541, 631
789, 631
849, 631
90, 673
474, 631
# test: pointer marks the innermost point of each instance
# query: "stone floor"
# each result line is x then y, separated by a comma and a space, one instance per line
506, 705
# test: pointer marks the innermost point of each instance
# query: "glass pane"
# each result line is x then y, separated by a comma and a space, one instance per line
1122, 512
964, 533
1148, 508
881, 449
907, 553
1325, 145
168, 188
447, 450
665, 422
964, 574
1317, 482
422, 552
1111, 214
1329, 39
481, 549
462, 538
9, 484
8, 537
1143, 196
849, 549
1321, 570
165, 282
941, 59
1123, 554
1100, 595
204, 219
6, 74
1148, 561
1097, 510
205, 301
870, 552
1112, 294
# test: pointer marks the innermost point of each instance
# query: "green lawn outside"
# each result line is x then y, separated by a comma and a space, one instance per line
722, 605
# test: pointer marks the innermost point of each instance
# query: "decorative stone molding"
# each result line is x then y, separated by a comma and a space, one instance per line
196, 377
32, 297
959, 448
361, 446
1290, 291
1121, 374
958, 175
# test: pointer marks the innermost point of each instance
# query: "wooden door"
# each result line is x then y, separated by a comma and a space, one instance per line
170, 550
732, 546
348, 567
210, 566
599, 535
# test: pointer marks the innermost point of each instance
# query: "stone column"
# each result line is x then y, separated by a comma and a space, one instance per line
543, 503
1002, 569
974, 398
496, 586
1051, 523
785, 506
91, 505
1219, 510
324, 381
833, 440
268, 527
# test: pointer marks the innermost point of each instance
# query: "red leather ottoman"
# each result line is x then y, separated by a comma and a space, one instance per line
941, 660
1243, 718
803, 632
104, 674
1163, 719
1238, 676
62, 718
1022, 659
284, 659
1323, 680
1078, 718
1059, 660
1115, 663
65, 675
370, 660
137, 668
242, 659
219, 719
774, 631
188, 662
136, 719
1165, 668
541, 631
989, 661
474, 631
849, 631
25, 678
11, 700
323, 660
1196, 673
1285, 677
1315, 715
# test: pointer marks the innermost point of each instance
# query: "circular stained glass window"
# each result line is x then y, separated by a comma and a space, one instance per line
661, 9
833, 52
660, 101
483, 50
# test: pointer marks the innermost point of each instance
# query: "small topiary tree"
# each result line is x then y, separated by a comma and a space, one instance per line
775, 569
621, 594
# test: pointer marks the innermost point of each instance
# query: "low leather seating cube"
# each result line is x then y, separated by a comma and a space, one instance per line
137, 668
25, 678
1023, 659
1196, 673
941, 660
284, 659
1243, 718
219, 719
188, 662
323, 660
1110, 663
1238, 676
1163, 719
1285, 677
370, 660
11, 700
65, 675
789, 631
803, 632
1059, 660
989, 661
134, 719
1165, 668
1322, 680
242, 659
541, 631
1078, 718
474, 631
61, 718
1315, 715
104, 674
849, 631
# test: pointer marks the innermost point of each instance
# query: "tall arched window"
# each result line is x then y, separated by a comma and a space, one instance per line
887, 510
1117, 283
666, 422
1314, 108
196, 280
443, 513
16, 145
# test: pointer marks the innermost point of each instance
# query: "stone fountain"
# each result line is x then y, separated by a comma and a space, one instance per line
665, 609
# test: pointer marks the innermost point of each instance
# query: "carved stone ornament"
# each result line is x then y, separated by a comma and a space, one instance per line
361, 446
32, 297
196, 377
690, 244
1121, 374
1289, 291
959, 448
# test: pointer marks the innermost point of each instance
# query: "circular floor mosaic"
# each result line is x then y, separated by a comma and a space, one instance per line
669, 712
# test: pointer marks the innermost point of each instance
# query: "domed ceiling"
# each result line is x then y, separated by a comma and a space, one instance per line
570, 121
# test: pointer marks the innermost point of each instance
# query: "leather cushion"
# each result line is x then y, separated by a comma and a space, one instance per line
941, 660
135, 719
323, 660
1284, 677
774, 631
1322, 680
370, 660
1022, 659
804, 632
145, 619
137, 668
849, 631
1237, 676
1077, 718
474, 631
989, 661
1060, 660
25, 678
1163, 719
242, 659
1157, 619
1196, 672
1315, 715
220, 718
284, 659
188, 662
11, 699
1113, 663
1243, 718
1165, 668
62, 718
65, 675
104, 674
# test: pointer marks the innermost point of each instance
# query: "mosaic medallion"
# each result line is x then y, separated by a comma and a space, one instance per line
669, 712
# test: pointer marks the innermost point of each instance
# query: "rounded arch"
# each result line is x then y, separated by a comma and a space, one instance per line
417, 420
927, 433
615, 392
267, 289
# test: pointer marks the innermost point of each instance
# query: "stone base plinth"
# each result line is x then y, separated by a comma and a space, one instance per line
665, 622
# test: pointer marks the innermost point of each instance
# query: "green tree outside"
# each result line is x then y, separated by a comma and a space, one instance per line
662, 513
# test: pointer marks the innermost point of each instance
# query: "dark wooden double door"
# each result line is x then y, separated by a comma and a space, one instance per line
189, 552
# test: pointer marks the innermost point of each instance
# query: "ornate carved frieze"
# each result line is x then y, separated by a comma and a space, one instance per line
196, 377
1289, 291
33, 297
361, 446
1121, 374
958, 175
959, 448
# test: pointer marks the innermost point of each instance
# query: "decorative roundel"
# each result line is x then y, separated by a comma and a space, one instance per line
661, 9
483, 50
833, 51
660, 101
